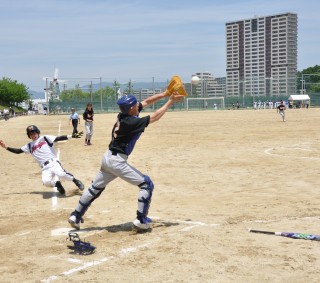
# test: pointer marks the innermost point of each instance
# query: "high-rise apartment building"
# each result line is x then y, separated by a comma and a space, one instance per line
208, 85
262, 56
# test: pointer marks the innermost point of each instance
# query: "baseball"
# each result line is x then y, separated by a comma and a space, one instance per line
195, 79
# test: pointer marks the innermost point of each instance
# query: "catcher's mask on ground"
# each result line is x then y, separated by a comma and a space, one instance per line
126, 102
31, 129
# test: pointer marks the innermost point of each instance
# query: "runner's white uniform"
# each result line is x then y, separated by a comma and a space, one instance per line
43, 152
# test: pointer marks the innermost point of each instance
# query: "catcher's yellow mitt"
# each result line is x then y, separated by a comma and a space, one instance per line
175, 85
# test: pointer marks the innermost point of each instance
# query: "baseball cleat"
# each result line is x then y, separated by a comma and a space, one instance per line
79, 184
73, 222
60, 188
142, 226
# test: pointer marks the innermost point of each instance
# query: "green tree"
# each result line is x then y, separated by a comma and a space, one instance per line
107, 92
73, 94
12, 92
311, 77
78, 94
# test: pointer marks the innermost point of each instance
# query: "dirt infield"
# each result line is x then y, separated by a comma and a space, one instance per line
216, 174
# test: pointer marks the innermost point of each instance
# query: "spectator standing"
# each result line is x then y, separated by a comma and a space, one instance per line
12, 113
6, 114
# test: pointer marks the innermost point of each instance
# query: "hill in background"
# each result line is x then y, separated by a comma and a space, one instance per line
36, 94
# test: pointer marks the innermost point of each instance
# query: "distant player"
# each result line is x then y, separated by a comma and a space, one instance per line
75, 120
88, 122
280, 109
42, 150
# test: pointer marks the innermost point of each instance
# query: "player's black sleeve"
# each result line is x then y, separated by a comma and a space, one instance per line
61, 138
15, 150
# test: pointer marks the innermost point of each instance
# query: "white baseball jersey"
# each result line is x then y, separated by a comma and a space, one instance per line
41, 149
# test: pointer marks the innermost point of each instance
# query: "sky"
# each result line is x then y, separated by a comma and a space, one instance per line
138, 40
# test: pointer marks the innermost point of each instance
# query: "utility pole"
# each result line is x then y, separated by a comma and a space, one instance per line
153, 91
101, 93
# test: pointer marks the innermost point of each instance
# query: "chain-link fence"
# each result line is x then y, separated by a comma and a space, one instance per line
104, 96
109, 104
99, 106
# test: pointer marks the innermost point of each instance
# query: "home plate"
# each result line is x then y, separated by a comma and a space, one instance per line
64, 231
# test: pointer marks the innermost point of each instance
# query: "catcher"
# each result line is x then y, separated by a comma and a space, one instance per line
42, 150
125, 133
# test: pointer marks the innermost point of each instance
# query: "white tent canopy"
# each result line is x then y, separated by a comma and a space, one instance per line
299, 97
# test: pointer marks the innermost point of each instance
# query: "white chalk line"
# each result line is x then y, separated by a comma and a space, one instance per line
54, 200
64, 231
193, 224
74, 260
123, 251
188, 222
269, 152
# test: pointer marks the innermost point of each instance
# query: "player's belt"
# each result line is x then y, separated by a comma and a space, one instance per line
47, 162
113, 152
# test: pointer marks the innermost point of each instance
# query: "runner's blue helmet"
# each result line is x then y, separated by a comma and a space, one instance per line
126, 102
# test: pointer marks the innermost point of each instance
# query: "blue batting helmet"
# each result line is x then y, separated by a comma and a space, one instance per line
126, 102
